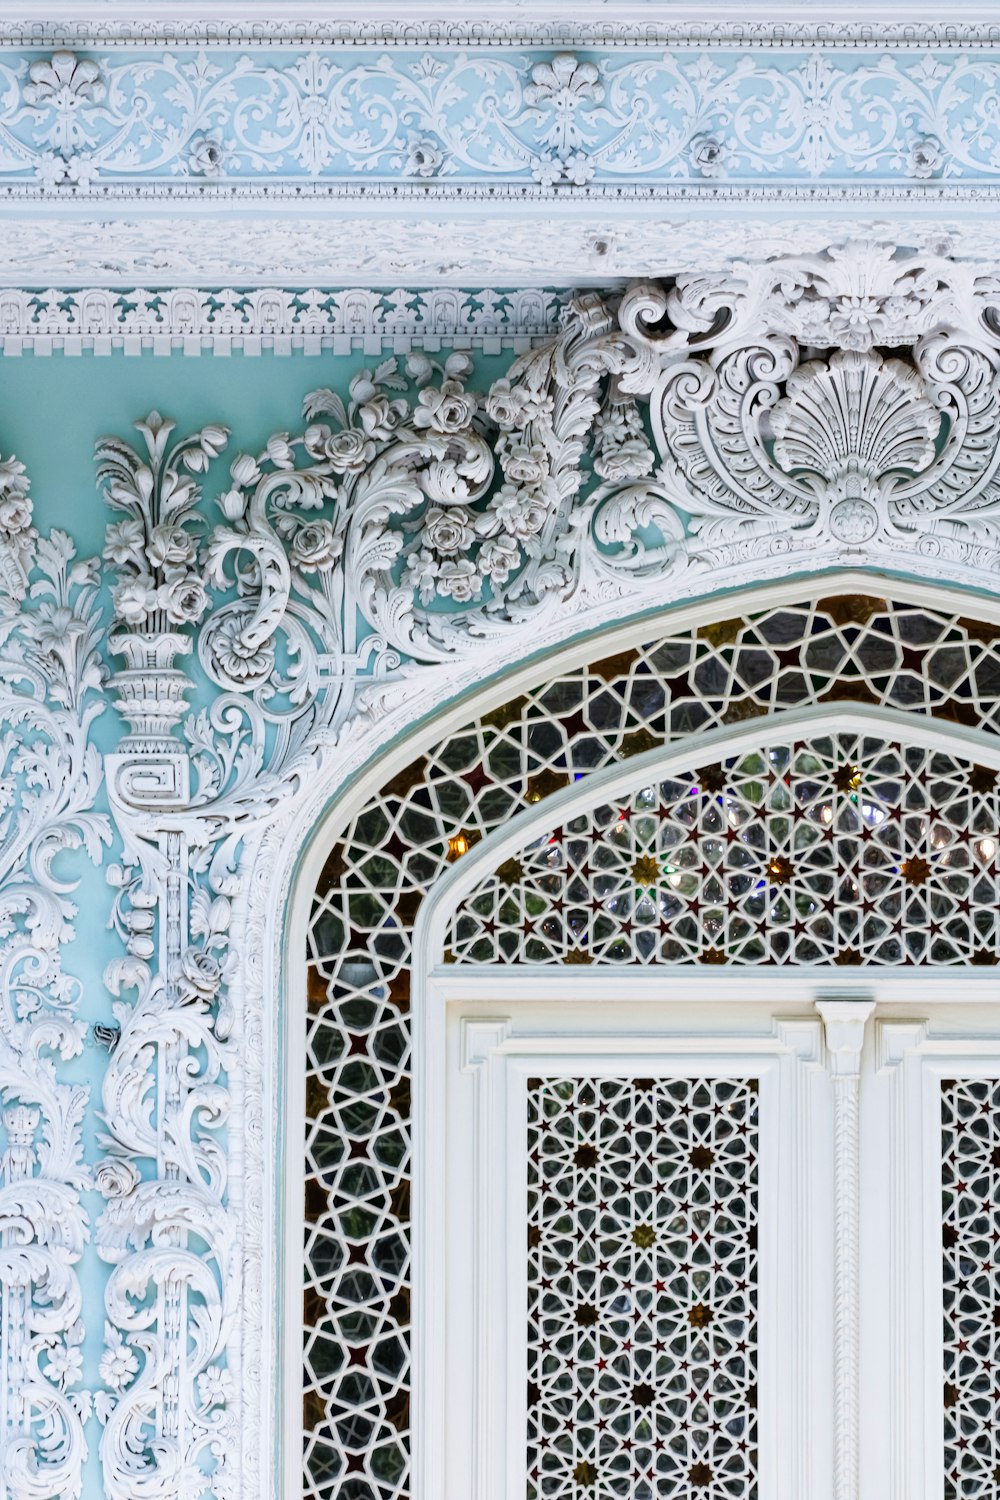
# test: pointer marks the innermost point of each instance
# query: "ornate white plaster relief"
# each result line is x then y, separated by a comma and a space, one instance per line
274, 319
444, 129
406, 543
50, 774
497, 250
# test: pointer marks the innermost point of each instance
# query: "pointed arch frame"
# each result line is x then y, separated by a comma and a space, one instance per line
293, 864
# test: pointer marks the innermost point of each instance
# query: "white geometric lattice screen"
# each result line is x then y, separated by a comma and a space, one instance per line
731, 861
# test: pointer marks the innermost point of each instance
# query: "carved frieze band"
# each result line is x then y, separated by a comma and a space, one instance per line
247, 123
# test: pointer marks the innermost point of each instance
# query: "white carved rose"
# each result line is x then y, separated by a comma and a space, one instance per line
632, 460
183, 600
205, 156
199, 975
171, 547
115, 1178
448, 531
926, 157
15, 513
425, 157
498, 558
345, 451
447, 410
523, 465
511, 406
315, 546
708, 155
379, 417
135, 599
460, 581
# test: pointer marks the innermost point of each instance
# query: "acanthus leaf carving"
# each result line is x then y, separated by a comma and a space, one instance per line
50, 775
662, 442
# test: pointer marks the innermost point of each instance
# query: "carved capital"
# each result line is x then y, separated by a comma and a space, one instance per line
844, 1020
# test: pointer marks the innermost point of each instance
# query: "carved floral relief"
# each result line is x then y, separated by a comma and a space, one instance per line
550, 118
664, 441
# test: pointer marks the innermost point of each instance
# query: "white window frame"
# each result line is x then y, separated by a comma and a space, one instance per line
498, 991
914, 1057
482, 1206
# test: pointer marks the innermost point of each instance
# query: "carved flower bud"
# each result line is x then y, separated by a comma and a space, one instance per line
232, 504
141, 946
195, 461
279, 451
419, 368
362, 387
141, 921
115, 1178
213, 439
458, 365
244, 469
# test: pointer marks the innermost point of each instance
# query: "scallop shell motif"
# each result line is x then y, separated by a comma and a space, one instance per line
856, 413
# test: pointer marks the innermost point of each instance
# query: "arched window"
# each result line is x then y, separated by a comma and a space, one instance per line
811, 787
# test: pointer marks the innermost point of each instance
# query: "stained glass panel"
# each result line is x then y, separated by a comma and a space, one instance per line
844, 849
642, 1288
845, 648
971, 1246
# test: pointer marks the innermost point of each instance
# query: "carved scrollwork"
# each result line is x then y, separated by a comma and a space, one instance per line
665, 441
50, 775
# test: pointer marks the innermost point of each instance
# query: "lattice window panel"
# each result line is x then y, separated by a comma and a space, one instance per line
843, 849
642, 1288
970, 1116
845, 648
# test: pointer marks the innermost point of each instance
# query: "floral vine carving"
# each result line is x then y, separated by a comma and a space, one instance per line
551, 119
660, 439
50, 682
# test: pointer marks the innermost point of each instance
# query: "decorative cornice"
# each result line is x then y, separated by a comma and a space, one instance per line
467, 250
272, 318
549, 25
